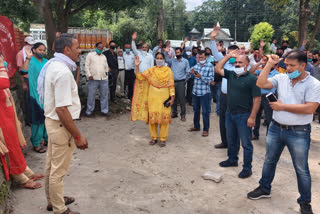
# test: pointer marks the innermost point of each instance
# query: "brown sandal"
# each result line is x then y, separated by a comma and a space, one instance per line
162, 143
67, 201
193, 130
68, 211
205, 134
153, 142
39, 149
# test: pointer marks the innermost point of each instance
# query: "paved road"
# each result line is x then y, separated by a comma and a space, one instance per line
121, 174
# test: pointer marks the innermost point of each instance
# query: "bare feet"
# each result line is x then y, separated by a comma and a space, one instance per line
30, 184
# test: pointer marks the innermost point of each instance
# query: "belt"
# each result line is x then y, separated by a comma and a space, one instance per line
294, 127
238, 111
180, 80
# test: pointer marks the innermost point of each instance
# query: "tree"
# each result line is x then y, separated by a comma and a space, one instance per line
262, 31
175, 18
304, 11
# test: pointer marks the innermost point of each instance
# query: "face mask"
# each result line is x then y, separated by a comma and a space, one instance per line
294, 74
39, 56
239, 70
112, 47
279, 54
178, 56
203, 61
188, 53
309, 60
127, 50
98, 51
159, 62
232, 60
5, 64
314, 60
284, 47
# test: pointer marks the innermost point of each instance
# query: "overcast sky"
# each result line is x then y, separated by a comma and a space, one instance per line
192, 4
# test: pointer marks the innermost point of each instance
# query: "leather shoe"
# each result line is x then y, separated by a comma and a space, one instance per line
227, 163
221, 146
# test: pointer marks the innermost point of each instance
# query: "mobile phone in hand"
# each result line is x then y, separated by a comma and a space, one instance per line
196, 72
271, 97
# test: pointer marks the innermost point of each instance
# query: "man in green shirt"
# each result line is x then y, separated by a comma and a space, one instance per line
244, 99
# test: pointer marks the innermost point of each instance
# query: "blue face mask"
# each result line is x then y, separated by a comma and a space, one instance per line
127, 50
5, 64
294, 74
309, 60
232, 60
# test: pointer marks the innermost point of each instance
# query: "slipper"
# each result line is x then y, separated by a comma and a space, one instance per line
205, 134
153, 142
67, 201
31, 185
193, 130
68, 211
162, 143
36, 177
39, 150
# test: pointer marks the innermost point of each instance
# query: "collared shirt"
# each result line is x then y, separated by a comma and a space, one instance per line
60, 90
271, 74
192, 61
241, 91
112, 59
218, 56
180, 68
129, 61
147, 60
201, 85
306, 90
96, 66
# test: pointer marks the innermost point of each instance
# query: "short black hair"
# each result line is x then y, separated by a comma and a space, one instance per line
62, 41
298, 55
194, 48
160, 53
285, 41
178, 48
315, 53
112, 41
98, 43
36, 45
233, 47
202, 52
160, 40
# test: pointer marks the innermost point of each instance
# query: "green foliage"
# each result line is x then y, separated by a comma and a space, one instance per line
264, 31
175, 18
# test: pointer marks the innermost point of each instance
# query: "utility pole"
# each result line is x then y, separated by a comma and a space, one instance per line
235, 30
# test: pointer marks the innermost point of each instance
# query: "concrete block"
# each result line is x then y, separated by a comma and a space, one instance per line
214, 176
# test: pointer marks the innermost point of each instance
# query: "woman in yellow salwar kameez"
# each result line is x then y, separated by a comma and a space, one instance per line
152, 89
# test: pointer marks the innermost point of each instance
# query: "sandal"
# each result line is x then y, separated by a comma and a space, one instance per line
30, 184
39, 149
162, 143
36, 177
67, 201
193, 130
153, 142
205, 134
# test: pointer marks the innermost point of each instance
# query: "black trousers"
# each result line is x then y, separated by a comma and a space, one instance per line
265, 106
189, 90
113, 87
222, 118
129, 82
180, 96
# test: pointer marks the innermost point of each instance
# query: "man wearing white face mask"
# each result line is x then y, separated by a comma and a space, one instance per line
187, 54
244, 99
298, 99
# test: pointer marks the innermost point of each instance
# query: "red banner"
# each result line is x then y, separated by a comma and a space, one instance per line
8, 46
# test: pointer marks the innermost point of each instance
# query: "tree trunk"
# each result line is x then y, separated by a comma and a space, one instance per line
160, 20
50, 25
304, 12
63, 11
315, 29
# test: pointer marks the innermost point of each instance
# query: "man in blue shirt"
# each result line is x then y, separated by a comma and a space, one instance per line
157, 48
187, 54
180, 68
201, 94
265, 106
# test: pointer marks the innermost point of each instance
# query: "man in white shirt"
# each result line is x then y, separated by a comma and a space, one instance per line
147, 60
61, 107
96, 71
121, 75
129, 66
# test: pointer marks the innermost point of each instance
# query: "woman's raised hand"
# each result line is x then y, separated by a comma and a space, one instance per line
137, 61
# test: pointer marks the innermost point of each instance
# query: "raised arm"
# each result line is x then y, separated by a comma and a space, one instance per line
254, 68
216, 54
261, 48
263, 81
166, 56
133, 43
223, 61
25, 66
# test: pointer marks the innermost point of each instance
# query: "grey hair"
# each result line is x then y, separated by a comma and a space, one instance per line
64, 40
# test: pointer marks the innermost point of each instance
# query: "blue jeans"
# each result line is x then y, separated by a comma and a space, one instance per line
103, 86
298, 143
218, 93
203, 102
236, 125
